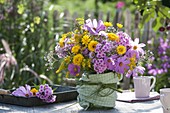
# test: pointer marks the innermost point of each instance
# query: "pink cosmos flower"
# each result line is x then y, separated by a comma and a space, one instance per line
23, 91
135, 46
134, 72
122, 64
94, 27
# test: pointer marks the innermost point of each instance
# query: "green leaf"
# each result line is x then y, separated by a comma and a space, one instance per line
157, 23
165, 11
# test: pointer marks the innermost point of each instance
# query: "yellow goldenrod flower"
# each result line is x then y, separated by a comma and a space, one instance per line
89, 63
67, 59
85, 40
77, 37
34, 91
67, 74
37, 19
113, 37
92, 45
84, 63
75, 49
108, 24
121, 49
62, 66
80, 21
77, 59
119, 25
132, 63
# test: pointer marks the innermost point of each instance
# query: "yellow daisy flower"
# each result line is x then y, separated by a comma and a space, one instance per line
108, 24
75, 49
61, 42
92, 45
34, 91
121, 49
113, 37
77, 59
85, 40
119, 25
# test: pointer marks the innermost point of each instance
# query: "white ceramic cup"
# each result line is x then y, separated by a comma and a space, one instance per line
142, 86
165, 99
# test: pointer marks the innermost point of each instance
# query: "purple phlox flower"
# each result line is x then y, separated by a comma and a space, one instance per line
135, 71
99, 65
23, 91
98, 47
136, 46
122, 64
60, 52
94, 27
74, 69
100, 54
106, 47
120, 4
51, 99
124, 39
109, 61
46, 93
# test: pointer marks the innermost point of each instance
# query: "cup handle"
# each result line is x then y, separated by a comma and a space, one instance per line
153, 83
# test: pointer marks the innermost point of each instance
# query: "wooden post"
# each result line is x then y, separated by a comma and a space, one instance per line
127, 26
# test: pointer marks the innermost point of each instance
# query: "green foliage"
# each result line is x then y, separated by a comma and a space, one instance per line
153, 9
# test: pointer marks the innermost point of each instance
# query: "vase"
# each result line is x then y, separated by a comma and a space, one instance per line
97, 90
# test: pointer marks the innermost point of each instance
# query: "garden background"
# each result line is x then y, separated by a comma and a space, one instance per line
29, 30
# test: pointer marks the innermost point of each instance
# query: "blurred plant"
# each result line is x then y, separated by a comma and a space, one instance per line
161, 62
24, 25
153, 9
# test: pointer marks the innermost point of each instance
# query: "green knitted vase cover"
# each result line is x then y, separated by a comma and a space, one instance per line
97, 90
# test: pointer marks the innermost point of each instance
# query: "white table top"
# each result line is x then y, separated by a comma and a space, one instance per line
153, 106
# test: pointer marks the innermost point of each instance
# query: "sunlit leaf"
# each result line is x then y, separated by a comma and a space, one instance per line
157, 23
21, 9
2, 1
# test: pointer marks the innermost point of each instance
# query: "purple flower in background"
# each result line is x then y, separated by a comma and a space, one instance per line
122, 64
94, 27
46, 93
163, 46
155, 71
134, 72
1, 16
120, 4
74, 69
23, 91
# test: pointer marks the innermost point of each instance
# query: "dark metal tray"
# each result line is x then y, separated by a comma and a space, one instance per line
63, 93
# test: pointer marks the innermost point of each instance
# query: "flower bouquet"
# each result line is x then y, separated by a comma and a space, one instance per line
98, 54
